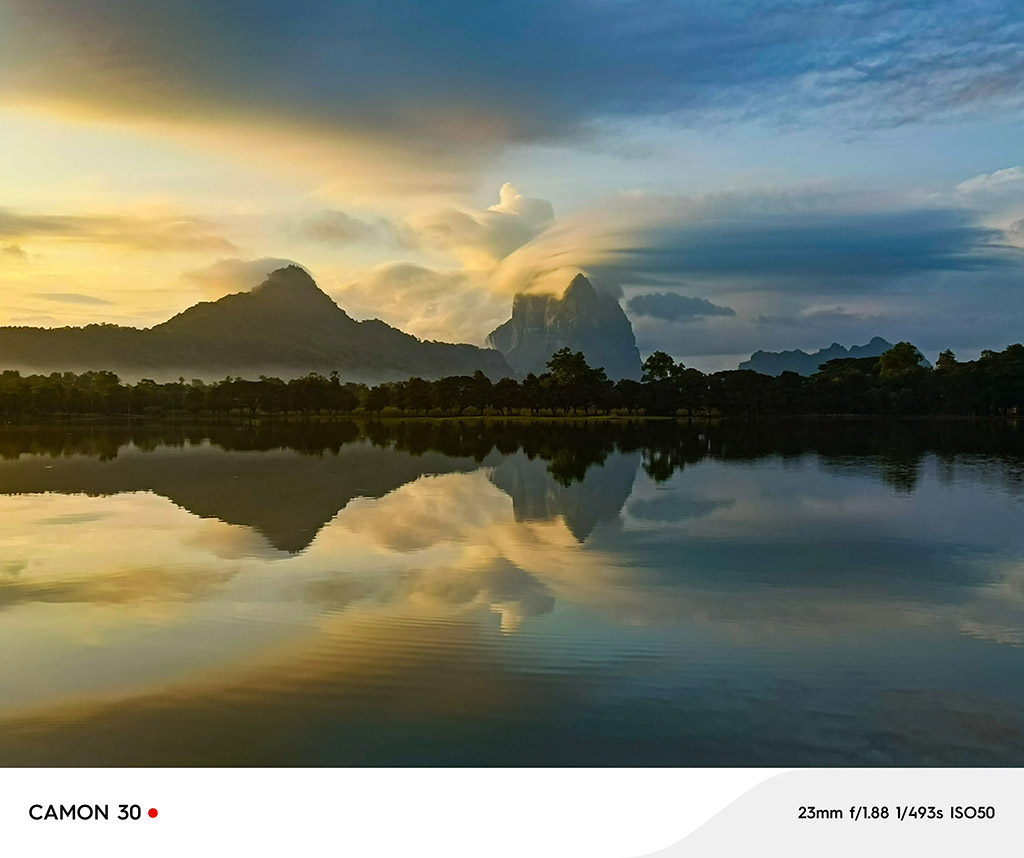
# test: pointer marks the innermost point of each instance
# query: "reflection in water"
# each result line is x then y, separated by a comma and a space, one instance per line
463, 593
596, 495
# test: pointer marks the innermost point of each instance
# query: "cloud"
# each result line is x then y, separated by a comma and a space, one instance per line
14, 251
337, 228
134, 232
811, 316
418, 96
995, 182
482, 238
70, 298
441, 305
460, 305
531, 210
792, 241
672, 307
479, 238
226, 276
998, 195
800, 267
823, 262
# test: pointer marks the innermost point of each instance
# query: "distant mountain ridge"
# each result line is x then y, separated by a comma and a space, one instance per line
804, 363
582, 319
287, 326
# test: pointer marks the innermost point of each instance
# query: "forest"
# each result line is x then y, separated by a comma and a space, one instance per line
894, 384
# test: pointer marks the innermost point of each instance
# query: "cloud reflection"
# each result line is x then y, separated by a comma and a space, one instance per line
496, 566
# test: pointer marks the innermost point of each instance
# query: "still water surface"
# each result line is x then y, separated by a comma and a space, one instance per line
414, 593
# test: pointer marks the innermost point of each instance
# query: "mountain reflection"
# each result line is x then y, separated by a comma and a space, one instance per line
283, 494
286, 481
598, 494
434, 592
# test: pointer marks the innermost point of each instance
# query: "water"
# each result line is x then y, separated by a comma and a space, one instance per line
542, 594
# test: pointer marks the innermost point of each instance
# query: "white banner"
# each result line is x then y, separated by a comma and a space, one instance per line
598, 813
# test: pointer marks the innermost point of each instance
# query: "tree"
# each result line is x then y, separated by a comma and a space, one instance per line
417, 394
480, 390
902, 360
533, 393
573, 382
377, 399
451, 394
690, 387
506, 395
345, 399
739, 391
946, 362
629, 394
567, 366
658, 366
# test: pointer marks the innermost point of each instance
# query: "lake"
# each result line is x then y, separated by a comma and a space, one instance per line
465, 593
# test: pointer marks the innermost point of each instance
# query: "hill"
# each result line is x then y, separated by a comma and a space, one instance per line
287, 326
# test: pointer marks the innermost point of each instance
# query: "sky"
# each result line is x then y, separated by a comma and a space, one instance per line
762, 174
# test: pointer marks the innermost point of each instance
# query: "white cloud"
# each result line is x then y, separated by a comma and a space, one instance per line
463, 304
530, 209
454, 306
995, 182
999, 198
480, 239
226, 276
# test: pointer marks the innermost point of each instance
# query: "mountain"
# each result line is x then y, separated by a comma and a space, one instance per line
582, 319
286, 326
776, 363
284, 495
288, 496
582, 504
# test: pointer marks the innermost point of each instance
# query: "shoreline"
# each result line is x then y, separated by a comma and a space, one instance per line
282, 419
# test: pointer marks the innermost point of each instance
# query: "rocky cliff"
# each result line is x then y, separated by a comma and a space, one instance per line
582, 319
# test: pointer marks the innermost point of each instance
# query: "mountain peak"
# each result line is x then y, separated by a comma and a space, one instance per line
580, 298
582, 319
579, 283
293, 278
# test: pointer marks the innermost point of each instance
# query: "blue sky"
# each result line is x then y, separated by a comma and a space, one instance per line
825, 171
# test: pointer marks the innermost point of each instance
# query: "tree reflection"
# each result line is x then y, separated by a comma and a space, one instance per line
582, 471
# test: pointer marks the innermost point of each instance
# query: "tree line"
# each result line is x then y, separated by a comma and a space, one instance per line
896, 383
894, 449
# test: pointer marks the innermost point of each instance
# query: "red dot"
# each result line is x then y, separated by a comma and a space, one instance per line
152, 813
